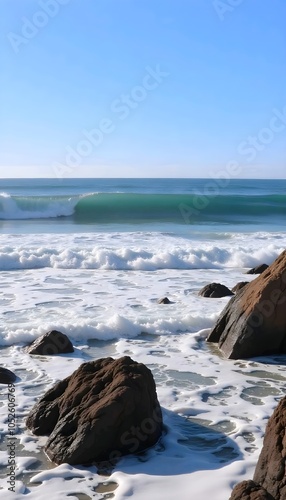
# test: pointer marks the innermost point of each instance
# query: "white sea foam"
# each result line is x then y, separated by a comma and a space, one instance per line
20, 208
160, 253
215, 410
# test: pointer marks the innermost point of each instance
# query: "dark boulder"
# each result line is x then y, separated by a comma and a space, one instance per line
105, 409
6, 376
50, 343
258, 269
215, 290
249, 490
239, 286
253, 323
164, 300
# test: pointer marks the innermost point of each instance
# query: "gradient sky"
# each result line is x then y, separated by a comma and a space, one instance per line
142, 88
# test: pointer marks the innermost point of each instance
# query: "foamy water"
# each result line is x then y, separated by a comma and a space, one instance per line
102, 290
138, 251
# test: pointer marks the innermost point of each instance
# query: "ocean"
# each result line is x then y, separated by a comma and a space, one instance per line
91, 258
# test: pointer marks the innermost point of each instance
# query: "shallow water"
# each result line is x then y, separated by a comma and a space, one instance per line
214, 412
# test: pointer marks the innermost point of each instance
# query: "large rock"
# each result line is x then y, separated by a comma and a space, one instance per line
6, 376
105, 409
215, 290
249, 490
253, 323
270, 470
269, 480
50, 343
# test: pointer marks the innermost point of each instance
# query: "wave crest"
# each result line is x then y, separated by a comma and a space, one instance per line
34, 207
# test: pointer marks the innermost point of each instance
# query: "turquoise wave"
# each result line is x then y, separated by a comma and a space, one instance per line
175, 208
128, 207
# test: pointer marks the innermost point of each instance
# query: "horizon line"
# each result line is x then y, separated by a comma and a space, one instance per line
135, 178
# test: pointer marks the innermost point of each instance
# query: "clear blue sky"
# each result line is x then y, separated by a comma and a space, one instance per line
142, 88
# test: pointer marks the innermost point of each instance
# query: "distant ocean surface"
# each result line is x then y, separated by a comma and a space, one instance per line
91, 258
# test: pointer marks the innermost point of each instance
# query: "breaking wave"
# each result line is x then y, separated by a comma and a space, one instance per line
128, 207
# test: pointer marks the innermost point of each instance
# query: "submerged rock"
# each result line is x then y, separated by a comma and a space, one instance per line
164, 300
258, 269
215, 290
50, 343
6, 376
105, 409
253, 323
